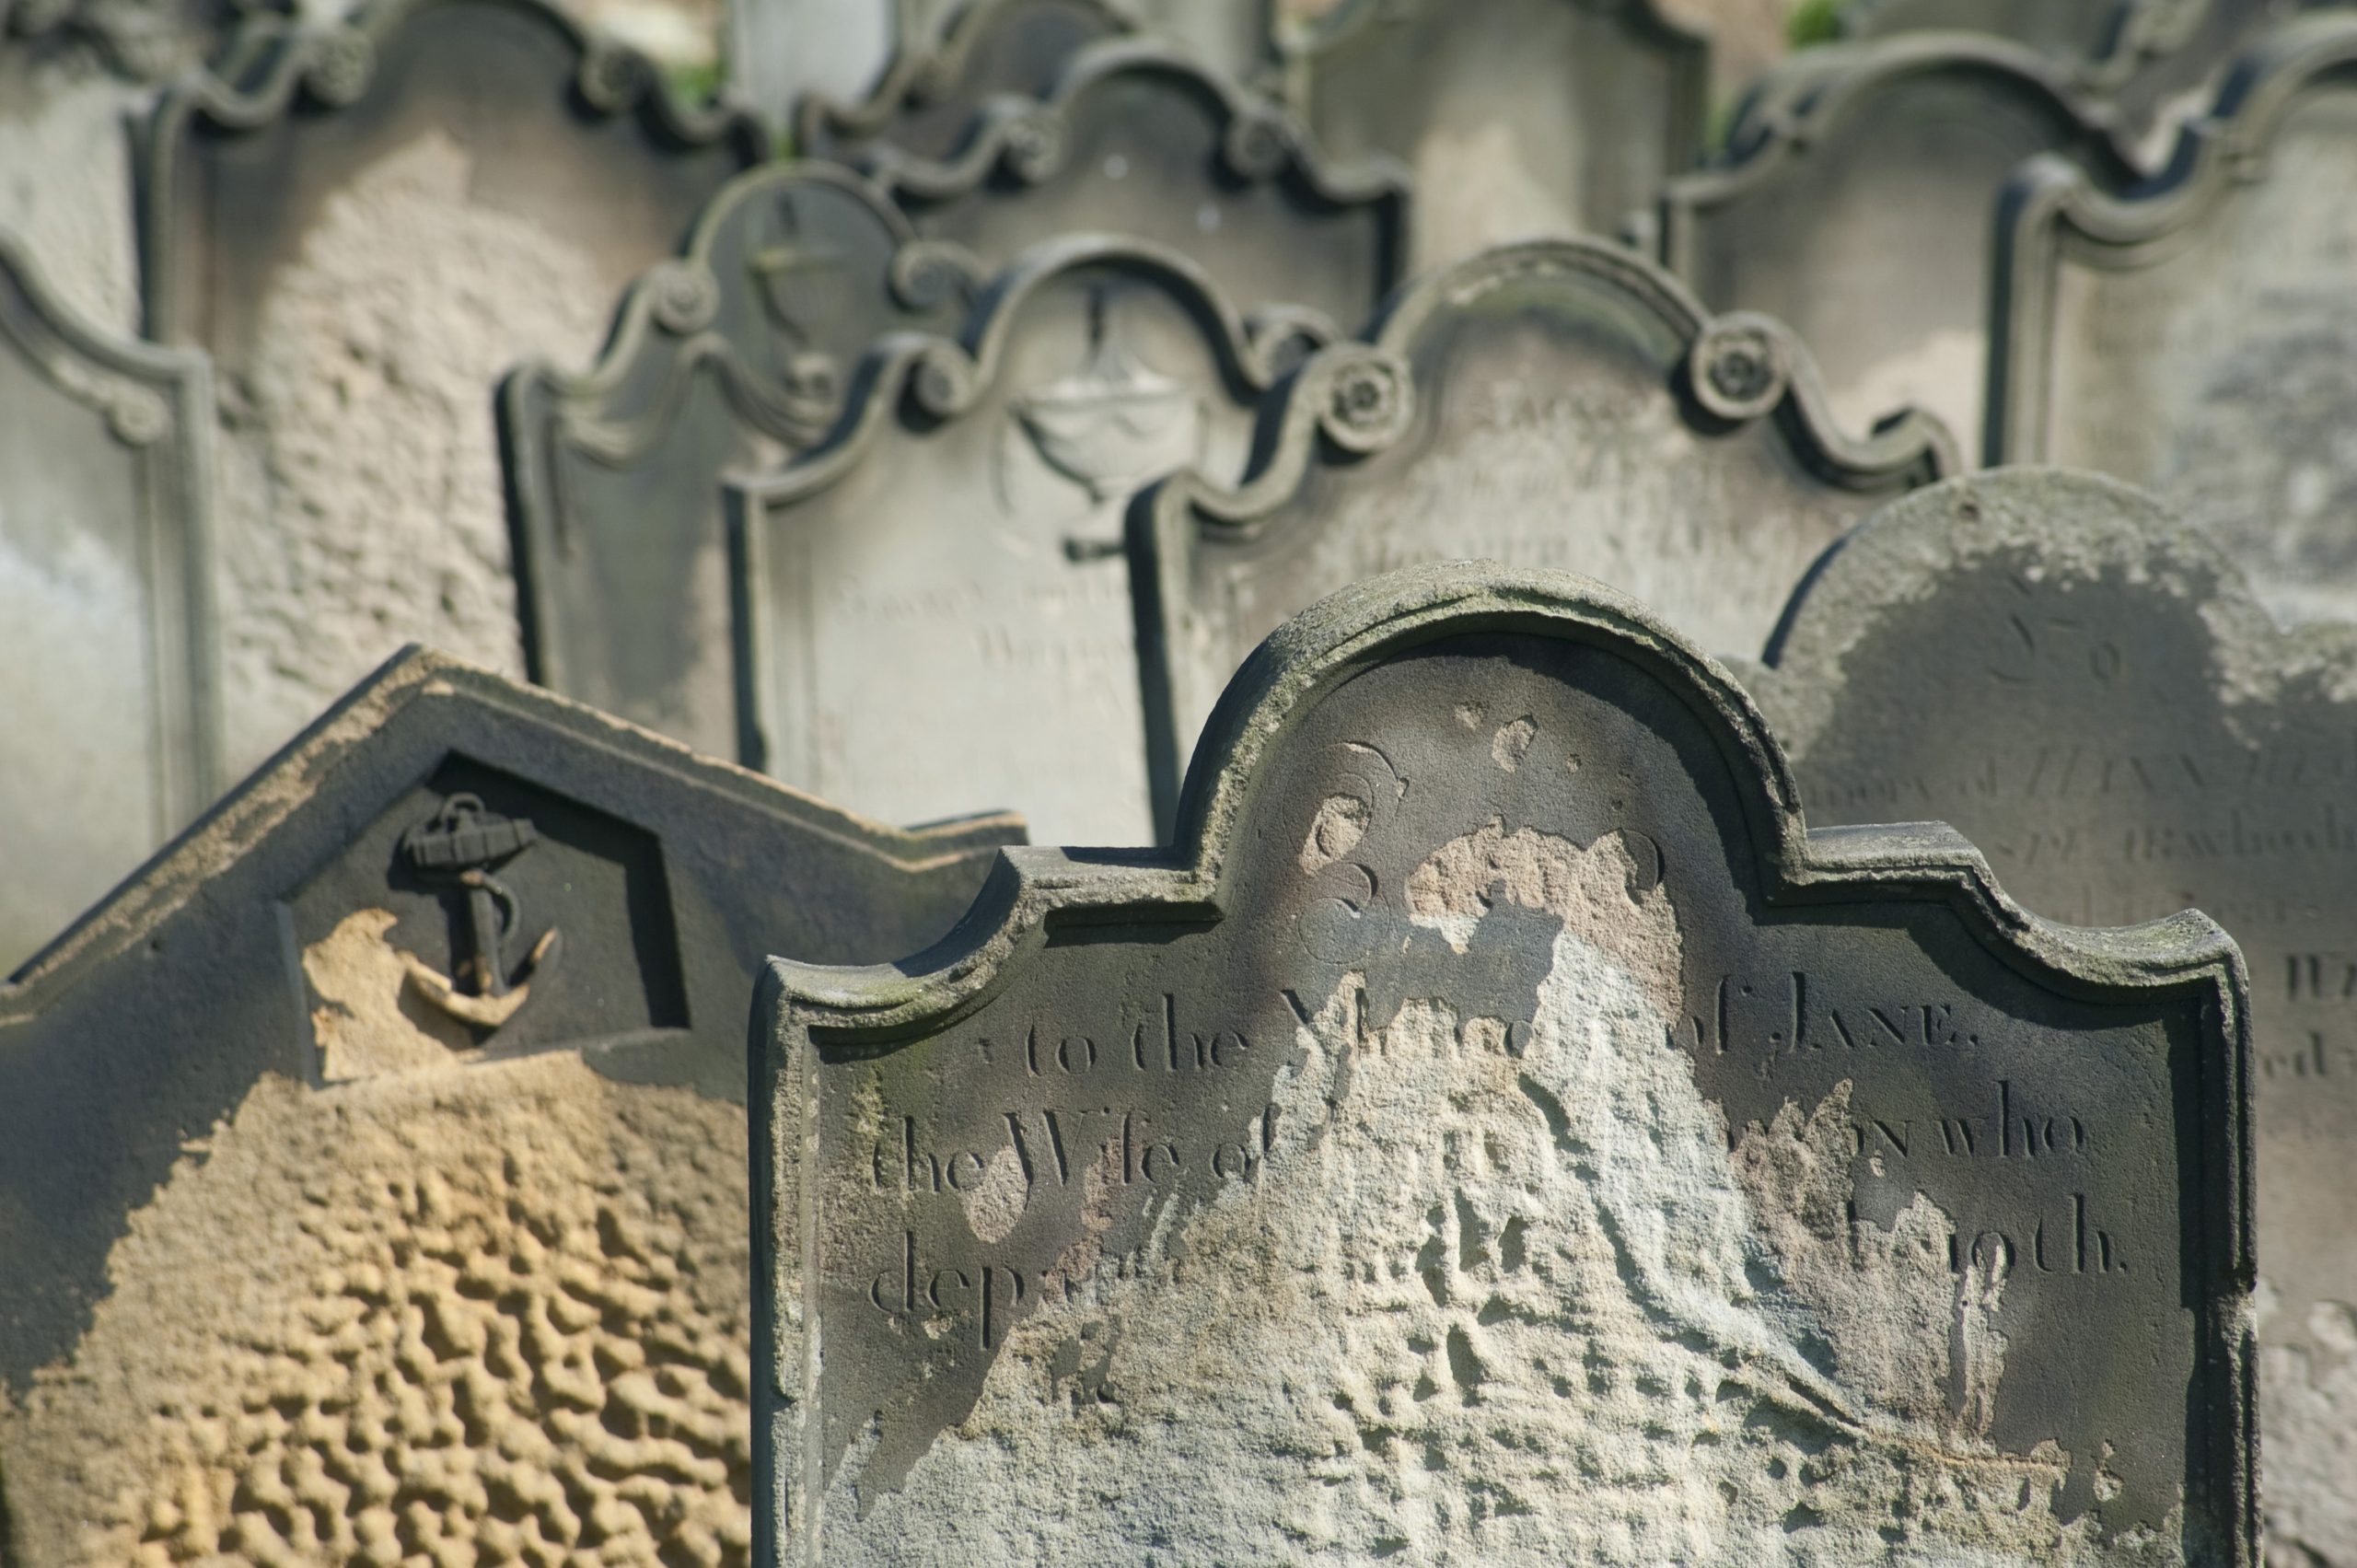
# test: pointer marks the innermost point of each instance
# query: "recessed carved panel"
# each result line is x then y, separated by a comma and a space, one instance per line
1856, 201
1499, 1071
2199, 337
106, 626
936, 607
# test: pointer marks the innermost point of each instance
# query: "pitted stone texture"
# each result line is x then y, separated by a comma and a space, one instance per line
360, 503
494, 1314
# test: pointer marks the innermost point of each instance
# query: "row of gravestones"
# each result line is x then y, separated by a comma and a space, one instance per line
1498, 1071
451, 869
360, 235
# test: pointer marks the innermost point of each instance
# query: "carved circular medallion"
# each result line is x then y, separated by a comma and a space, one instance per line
137, 416
343, 64
927, 274
1367, 400
614, 78
1034, 146
686, 296
943, 380
1256, 146
1739, 368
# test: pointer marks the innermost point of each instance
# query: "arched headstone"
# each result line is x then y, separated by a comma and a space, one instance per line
935, 604
1561, 404
1501, 1093
365, 224
430, 1036
2084, 685
1518, 118
106, 611
1857, 202
2200, 337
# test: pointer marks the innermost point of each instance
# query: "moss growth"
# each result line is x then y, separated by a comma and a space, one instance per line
694, 83
1814, 22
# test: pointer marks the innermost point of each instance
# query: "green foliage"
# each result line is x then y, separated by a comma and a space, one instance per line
1814, 22
694, 83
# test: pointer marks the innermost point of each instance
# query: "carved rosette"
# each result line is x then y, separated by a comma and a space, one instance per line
343, 64
942, 381
1256, 145
135, 415
927, 274
613, 78
1368, 399
1032, 145
686, 296
1740, 367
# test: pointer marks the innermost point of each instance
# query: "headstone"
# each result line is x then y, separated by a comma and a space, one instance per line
365, 224
1857, 202
1136, 138
733, 358
106, 625
1502, 1131
2202, 337
1519, 118
2083, 686
2142, 55
1555, 404
372, 1168
936, 606
946, 69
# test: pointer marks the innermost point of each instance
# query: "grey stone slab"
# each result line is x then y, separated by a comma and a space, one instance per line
1137, 138
935, 604
2082, 684
1501, 1093
1560, 404
1518, 118
1857, 201
365, 224
948, 66
2143, 56
106, 622
736, 355
448, 876
2199, 337
745, 351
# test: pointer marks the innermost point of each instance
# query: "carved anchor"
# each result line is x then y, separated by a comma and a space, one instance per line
463, 842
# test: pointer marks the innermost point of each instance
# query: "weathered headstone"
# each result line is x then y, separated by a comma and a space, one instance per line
946, 69
367, 224
2141, 56
1857, 202
2085, 687
1502, 1131
106, 625
2202, 337
372, 1168
733, 358
937, 605
1561, 404
1519, 118
1136, 138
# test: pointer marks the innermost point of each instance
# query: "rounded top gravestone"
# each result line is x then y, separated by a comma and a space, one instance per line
1503, 1129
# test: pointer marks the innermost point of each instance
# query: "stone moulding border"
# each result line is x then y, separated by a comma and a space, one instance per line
940, 379
676, 298
800, 1007
925, 64
1806, 99
157, 403
180, 873
1260, 141
2051, 209
274, 62
1357, 398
